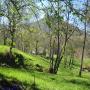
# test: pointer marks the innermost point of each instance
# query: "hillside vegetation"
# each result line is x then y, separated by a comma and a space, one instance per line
66, 79
44, 45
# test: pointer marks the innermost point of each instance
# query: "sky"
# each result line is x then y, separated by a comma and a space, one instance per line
78, 4
41, 14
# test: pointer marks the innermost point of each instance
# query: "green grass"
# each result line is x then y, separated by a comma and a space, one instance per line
46, 81
30, 58
66, 79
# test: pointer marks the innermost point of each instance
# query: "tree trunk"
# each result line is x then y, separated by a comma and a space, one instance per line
12, 41
85, 36
58, 60
5, 38
50, 46
52, 58
36, 47
81, 66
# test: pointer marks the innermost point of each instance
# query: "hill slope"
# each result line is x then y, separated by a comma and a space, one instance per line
66, 79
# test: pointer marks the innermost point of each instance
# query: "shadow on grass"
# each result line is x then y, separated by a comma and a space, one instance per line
10, 84
79, 82
11, 59
7, 83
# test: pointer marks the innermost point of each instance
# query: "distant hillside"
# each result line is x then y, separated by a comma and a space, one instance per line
76, 38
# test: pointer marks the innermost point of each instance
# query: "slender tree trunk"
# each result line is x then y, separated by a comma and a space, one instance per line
12, 41
53, 53
52, 58
44, 52
85, 36
50, 43
65, 43
66, 33
36, 47
58, 59
5, 38
82, 58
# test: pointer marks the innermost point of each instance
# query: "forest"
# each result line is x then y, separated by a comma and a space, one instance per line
44, 44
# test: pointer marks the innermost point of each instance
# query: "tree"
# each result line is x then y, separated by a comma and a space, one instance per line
55, 22
85, 34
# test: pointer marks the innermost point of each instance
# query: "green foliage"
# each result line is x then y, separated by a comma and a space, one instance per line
65, 79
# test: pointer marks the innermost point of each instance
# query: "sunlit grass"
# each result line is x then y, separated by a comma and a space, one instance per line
47, 81
66, 79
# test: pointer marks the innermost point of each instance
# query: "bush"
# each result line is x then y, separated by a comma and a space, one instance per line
11, 59
39, 68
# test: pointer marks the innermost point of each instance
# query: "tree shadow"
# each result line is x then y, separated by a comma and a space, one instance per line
12, 59
79, 82
10, 84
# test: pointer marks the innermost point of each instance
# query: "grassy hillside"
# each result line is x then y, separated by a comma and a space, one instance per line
66, 79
